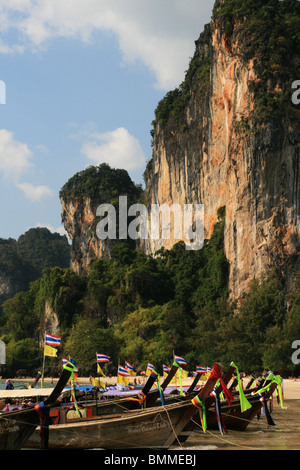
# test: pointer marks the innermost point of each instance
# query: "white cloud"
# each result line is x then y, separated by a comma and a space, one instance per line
34, 193
118, 148
14, 156
15, 162
159, 33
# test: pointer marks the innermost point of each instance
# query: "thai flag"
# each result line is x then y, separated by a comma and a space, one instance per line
52, 340
150, 366
64, 361
180, 360
102, 358
166, 368
202, 370
124, 372
128, 366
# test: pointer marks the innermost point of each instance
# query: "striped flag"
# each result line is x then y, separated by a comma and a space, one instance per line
124, 372
180, 361
102, 357
166, 368
52, 340
202, 370
128, 366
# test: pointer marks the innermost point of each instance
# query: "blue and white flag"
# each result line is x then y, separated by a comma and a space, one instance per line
52, 340
102, 358
180, 361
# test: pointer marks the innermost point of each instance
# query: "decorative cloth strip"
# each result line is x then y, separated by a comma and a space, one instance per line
43, 412
216, 374
267, 412
245, 405
202, 411
140, 398
219, 417
70, 367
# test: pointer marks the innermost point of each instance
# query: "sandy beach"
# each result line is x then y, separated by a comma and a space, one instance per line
291, 387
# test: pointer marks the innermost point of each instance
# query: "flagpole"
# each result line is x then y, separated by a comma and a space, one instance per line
43, 373
178, 371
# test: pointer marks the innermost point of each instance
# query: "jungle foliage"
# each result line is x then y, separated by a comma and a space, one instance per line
140, 308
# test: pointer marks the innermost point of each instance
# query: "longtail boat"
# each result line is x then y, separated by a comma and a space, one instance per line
111, 405
155, 427
17, 426
229, 415
232, 415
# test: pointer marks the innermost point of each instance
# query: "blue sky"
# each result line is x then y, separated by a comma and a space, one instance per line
83, 79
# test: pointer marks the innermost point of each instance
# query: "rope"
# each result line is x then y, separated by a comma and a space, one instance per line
172, 426
221, 438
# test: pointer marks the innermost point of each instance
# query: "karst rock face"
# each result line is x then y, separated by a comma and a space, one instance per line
212, 150
228, 137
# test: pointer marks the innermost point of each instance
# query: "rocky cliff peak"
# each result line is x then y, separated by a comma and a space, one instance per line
229, 136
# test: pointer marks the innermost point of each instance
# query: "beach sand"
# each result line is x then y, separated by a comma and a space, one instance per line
291, 387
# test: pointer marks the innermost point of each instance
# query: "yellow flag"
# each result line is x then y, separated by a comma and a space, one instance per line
50, 351
100, 371
123, 380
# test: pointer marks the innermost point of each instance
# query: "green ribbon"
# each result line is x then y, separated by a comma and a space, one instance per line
278, 380
162, 399
245, 405
180, 376
202, 410
70, 367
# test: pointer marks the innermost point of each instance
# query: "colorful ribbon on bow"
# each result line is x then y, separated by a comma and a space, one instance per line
267, 413
245, 405
70, 367
216, 374
221, 425
202, 411
141, 397
43, 412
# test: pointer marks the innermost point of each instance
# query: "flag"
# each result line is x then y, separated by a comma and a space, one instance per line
100, 371
64, 361
150, 368
50, 351
166, 368
52, 340
102, 357
123, 371
180, 361
129, 367
123, 376
202, 370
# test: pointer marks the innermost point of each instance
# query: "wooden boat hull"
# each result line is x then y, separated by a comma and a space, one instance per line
232, 416
155, 427
150, 428
16, 427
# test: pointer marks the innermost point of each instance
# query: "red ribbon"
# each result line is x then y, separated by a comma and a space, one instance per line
216, 374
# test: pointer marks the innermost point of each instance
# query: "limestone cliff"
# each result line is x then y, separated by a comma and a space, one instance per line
229, 136
80, 197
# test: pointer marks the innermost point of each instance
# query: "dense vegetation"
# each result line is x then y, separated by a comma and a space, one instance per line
267, 31
101, 184
23, 260
139, 308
